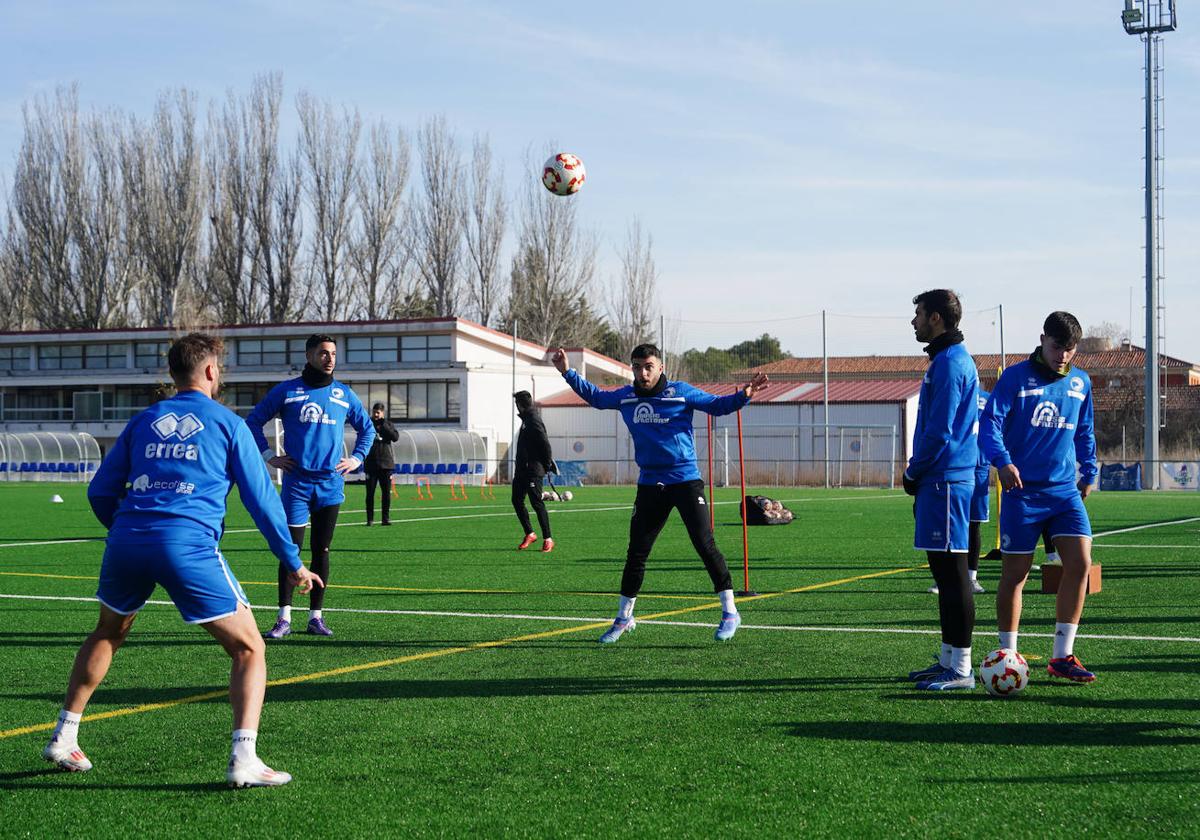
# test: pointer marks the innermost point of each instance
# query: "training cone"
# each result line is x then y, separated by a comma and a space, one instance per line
56, 499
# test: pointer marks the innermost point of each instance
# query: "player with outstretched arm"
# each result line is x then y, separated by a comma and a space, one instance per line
658, 413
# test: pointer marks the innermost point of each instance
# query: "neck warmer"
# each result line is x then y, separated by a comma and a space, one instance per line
654, 390
1040, 363
943, 341
314, 378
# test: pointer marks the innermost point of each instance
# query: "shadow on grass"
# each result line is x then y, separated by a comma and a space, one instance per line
44, 779
1060, 695
1186, 776
982, 735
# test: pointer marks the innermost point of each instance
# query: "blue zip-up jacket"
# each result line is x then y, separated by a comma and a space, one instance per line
179, 458
1042, 422
945, 442
660, 425
313, 420
982, 465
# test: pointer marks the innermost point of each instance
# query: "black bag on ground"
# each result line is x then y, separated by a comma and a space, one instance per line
761, 510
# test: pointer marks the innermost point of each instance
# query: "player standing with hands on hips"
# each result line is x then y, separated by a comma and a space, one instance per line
161, 492
1037, 426
314, 408
941, 475
658, 413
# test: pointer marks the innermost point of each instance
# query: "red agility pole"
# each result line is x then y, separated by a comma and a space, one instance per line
712, 524
745, 533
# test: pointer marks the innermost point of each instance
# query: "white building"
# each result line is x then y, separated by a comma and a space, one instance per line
440, 373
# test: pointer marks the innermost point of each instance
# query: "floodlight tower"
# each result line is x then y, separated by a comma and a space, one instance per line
1148, 19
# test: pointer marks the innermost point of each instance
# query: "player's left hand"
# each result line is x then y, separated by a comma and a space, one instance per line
911, 485
1085, 489
755, 385
348, 465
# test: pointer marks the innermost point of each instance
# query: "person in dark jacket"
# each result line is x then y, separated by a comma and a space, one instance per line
533, 461
379, 464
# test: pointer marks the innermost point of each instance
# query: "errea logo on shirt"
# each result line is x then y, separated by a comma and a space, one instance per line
645, 413
172, 426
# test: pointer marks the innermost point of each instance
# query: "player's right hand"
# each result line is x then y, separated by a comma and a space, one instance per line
283, 462
1010, 477
559, 357
304, 580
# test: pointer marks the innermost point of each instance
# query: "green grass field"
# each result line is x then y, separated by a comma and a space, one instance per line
464, 692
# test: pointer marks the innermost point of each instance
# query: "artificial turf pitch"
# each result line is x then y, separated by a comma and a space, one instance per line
465, 694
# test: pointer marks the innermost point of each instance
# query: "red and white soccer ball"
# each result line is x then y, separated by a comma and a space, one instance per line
563, 174
1004, 672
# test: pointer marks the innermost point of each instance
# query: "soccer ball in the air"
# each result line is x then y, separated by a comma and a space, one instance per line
567, 495
563, 174
1004, 672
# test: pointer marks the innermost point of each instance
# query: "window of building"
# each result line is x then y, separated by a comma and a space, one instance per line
14, 357
60, 357
105, 356
150, 354
425, 348
419, 401
1114, 383
371, 348
243, 396
124, 401
263, 351
32, 405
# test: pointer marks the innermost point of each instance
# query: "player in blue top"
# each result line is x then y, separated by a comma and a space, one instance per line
658, 413
941, 474
1037, 427
315, 409
161, 494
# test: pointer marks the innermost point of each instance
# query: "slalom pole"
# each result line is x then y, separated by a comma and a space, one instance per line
745, 533
995, 553
712, 524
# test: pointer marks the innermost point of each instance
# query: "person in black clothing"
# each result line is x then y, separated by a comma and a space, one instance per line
533, 461
379, 464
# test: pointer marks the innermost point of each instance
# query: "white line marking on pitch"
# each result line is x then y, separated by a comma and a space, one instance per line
1144, 527
593, 619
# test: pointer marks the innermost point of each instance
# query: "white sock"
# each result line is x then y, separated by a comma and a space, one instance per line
244, 743
1008, 639
285, 614
1064, 639
944, 656
625, 608
727, 605
973, 573
960, 660
313, 614
66, 731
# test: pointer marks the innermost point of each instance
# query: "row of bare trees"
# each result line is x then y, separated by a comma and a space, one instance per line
182, 218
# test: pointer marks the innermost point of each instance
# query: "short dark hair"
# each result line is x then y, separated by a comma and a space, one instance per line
1064, 328
645, 351
942, 301
187, 354
379, 407
316, 340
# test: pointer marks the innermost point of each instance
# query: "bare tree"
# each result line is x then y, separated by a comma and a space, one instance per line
483, 228
378, 245
438, 217
633, 301
229, 275
1105, 336
328, 144
163, 175
553, 271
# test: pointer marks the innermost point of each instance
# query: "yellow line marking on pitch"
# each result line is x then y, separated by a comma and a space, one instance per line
417, 657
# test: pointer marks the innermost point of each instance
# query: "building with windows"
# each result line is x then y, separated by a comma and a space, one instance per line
446, 373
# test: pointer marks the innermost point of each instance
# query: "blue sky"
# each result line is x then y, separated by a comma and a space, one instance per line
786, 157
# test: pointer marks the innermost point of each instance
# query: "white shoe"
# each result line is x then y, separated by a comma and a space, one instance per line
976, 588
619, 626
69, 758
933, 590
245, 774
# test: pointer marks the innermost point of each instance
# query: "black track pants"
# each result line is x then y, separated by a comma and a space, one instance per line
650, 511
324, 520
527, 484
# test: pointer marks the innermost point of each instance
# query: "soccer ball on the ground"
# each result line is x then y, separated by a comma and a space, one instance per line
545, 495
567, 495
563, 174
1004, 672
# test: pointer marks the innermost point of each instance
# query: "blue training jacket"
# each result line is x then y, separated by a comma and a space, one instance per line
170, 472
1043, 423
982, 465
945, 442
660, 425
313, 420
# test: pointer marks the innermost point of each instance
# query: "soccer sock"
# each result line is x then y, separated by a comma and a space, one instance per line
727, 605
960, 660
244, 743
313, 614
946, 655
625, 608
285, 613
1008, 639
1064, 639
973, 574
66, 731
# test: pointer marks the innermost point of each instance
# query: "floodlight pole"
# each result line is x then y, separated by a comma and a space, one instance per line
1148, 19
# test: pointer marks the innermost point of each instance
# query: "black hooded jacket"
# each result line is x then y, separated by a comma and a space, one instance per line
533, 444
